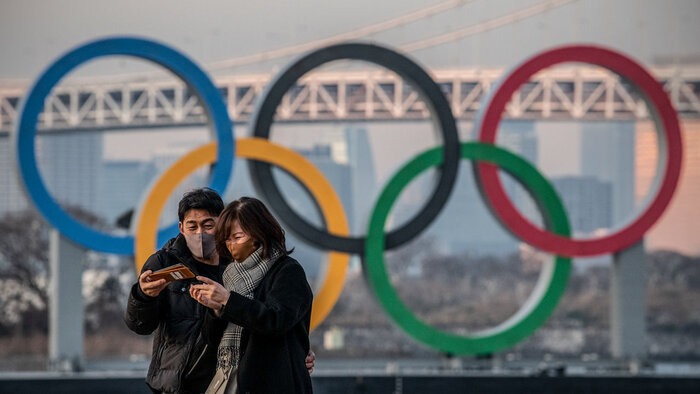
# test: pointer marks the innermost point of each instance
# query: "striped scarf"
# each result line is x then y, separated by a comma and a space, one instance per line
241, 278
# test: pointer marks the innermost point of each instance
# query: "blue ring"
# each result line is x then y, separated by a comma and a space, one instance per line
32, 105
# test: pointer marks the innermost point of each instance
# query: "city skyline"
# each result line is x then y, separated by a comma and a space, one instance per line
111, 203
656, 34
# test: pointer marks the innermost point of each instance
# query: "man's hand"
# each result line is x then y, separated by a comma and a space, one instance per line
151, 287
310, 361
211, 290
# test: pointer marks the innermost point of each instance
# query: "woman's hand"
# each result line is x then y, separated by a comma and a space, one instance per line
202, 299
210, 294
310, 361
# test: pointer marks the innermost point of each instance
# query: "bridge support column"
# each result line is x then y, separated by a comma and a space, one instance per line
66, 319
628, 303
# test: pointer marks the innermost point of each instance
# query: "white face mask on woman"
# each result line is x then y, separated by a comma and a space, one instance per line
201, 245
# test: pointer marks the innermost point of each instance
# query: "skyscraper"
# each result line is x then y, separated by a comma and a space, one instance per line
466, 224
69, 163
607, 153
363, 184
163, 158
328, 158
679, 227
337, 173
587, 200
122, 185
12, 199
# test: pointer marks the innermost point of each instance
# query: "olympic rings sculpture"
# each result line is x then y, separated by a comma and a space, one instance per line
334, 237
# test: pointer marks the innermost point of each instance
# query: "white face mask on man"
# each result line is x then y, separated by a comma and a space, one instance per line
201, 245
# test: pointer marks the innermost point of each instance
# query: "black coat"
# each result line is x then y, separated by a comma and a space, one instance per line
275, 336
182, 361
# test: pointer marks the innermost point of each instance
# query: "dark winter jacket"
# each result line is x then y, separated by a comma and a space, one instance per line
275, 337
181, 362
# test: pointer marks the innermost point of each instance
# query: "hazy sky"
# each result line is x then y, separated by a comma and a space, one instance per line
33, 32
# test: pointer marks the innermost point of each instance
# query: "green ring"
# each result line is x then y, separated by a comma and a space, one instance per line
536, 309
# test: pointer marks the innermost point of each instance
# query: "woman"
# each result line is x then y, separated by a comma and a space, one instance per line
263, 311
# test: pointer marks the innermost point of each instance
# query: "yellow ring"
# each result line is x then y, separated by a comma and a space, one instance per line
263, 150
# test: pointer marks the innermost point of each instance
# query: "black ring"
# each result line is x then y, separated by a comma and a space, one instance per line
261, 173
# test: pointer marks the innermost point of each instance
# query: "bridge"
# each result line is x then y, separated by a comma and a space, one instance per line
580, 92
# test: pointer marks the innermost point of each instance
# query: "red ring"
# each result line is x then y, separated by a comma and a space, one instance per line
661, 110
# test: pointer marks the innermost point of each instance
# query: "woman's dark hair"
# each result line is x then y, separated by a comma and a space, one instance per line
204, 198
256, 221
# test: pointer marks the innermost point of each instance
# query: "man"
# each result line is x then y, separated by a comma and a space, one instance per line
181, 361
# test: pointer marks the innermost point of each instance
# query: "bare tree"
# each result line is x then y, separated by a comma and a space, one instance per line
24, 252
24, 266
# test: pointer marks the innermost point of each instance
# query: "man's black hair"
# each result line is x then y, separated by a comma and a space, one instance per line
204, 198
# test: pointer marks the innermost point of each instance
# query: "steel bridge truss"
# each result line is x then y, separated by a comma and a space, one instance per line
563, 93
